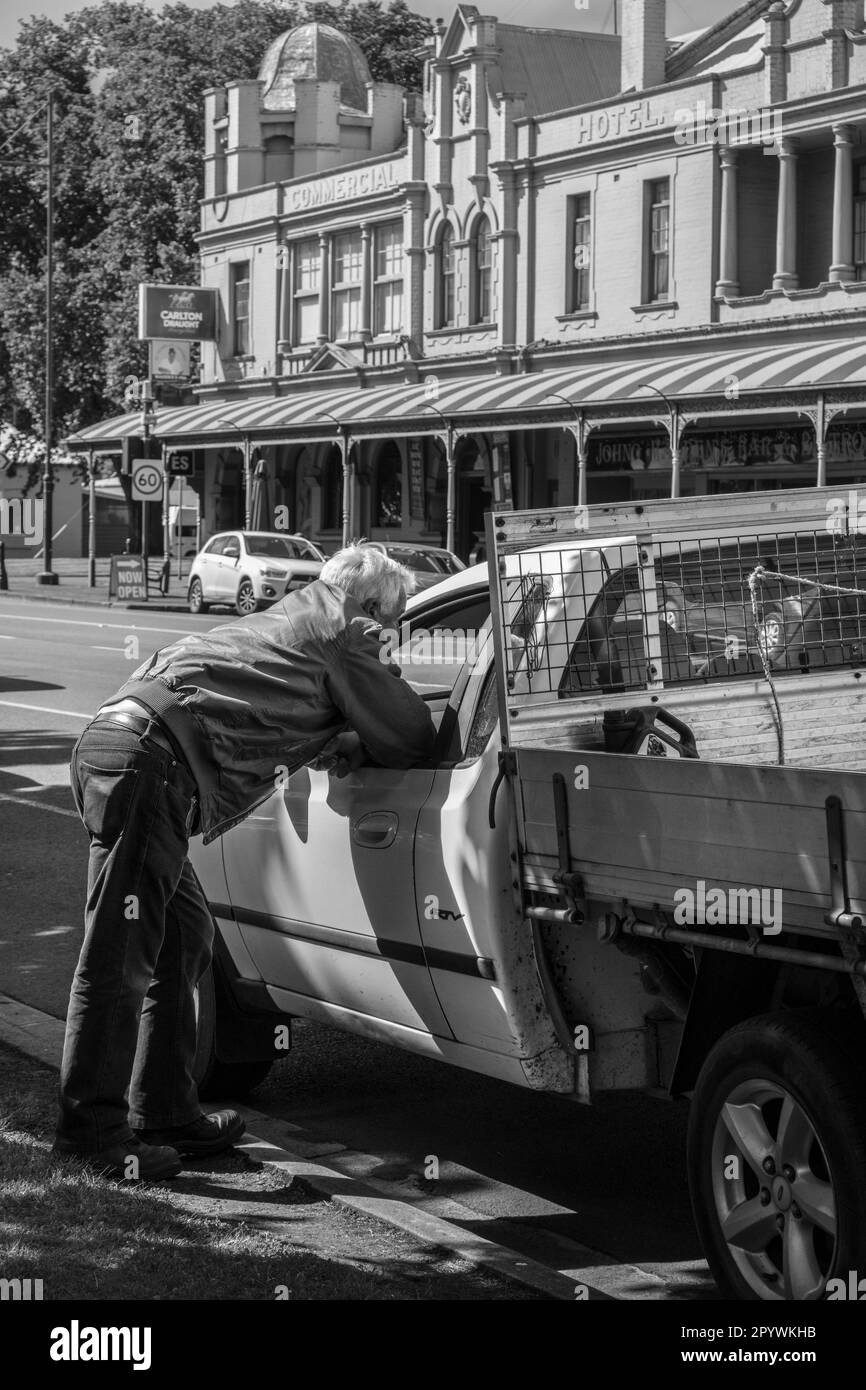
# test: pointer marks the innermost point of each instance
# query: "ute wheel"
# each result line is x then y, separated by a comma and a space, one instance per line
214, 1078
246, 601
195, 598
776, 1154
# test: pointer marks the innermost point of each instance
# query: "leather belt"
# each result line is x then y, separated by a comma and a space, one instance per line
133, 716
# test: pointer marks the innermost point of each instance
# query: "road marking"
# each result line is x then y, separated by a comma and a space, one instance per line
45, 709
81, 622
6, 637
95, 648
40, 806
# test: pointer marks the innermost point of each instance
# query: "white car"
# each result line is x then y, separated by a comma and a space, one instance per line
251, 569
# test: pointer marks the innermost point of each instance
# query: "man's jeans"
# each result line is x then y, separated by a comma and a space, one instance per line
131, 1027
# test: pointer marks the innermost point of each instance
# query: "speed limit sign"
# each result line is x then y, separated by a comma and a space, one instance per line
147, 476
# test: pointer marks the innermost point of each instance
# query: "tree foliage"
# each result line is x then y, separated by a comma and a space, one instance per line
128, 173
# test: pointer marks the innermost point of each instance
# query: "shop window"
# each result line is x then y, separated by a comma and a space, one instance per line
279, 158
446, 277
580, 253
388, 495
657, 241
219, 167
346, 291
860, 219
388, 279
306, 291
240, 302
331, 484
482, 271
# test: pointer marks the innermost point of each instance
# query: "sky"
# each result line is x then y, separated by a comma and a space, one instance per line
683, 15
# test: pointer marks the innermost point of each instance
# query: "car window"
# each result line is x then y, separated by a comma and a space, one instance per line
433, 644
231, 548
216, 546
486, 717
414, 560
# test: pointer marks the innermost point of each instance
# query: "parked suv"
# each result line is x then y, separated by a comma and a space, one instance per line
251, 569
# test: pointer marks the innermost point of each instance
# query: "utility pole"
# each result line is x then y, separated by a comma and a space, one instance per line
48, 576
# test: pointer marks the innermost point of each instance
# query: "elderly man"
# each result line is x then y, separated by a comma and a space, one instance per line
198, 737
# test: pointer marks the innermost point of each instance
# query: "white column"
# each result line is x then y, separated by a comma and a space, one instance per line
786, 277
728, 286
324, 288
842, 269
366, 325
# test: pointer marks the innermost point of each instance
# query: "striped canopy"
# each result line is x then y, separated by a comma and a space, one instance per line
492, 401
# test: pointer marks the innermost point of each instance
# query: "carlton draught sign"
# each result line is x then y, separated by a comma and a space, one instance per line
185, 312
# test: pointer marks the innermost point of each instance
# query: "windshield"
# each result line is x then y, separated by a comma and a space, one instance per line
279, 548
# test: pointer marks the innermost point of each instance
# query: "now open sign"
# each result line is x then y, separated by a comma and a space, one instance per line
127, 578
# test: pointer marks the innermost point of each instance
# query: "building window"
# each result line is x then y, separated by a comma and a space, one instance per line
388, 279
388, 496
240, 300
658, 244
860, 220
219, 176
482, 267
306, 291
580, 253
279, 158
346, 292
447, 274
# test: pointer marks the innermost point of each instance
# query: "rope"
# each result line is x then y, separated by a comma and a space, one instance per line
754, 579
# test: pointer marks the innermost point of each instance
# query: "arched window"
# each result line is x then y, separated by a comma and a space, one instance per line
482, 272
331, 484
279, 158
446, 278
388, 494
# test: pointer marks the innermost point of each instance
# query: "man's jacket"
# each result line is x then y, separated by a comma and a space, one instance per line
254, 700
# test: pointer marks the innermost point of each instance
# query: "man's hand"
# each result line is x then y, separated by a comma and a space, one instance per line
342, 755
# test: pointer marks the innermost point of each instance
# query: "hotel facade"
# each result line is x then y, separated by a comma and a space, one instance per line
574, 268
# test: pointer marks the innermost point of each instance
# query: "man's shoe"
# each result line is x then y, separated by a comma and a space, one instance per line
209, 1134
129, 1161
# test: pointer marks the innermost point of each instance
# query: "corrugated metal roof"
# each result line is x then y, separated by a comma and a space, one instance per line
481, 399
556, 68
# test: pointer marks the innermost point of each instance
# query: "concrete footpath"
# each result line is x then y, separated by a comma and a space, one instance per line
281, 1146
73, 586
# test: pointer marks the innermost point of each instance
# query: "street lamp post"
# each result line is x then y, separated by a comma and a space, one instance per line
675, 430
48, 576
580, 430
450, 476
345, 449
246, 453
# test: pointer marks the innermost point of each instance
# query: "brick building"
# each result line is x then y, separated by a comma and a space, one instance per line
575, 267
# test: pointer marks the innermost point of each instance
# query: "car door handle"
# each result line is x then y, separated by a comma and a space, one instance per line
377, 830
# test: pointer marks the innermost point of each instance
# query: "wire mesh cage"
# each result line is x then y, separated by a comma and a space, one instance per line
602, 618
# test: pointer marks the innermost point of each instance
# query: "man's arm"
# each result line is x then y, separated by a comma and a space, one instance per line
390, 718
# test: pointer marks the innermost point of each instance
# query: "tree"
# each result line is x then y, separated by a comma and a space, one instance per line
129, 137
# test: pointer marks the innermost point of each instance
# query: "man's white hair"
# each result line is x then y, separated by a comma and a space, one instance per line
369, 575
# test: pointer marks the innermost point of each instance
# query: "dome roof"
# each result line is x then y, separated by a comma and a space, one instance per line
318, 51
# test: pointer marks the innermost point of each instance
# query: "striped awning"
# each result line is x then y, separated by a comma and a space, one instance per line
493, 400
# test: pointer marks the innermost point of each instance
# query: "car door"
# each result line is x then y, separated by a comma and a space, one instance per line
228, 570
321, 880
208, 567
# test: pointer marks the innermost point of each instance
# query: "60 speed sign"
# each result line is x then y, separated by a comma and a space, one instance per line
147, 478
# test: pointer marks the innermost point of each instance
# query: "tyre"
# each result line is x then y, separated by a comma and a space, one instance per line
776, 1158
214, 1078
195, 598
246, 601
